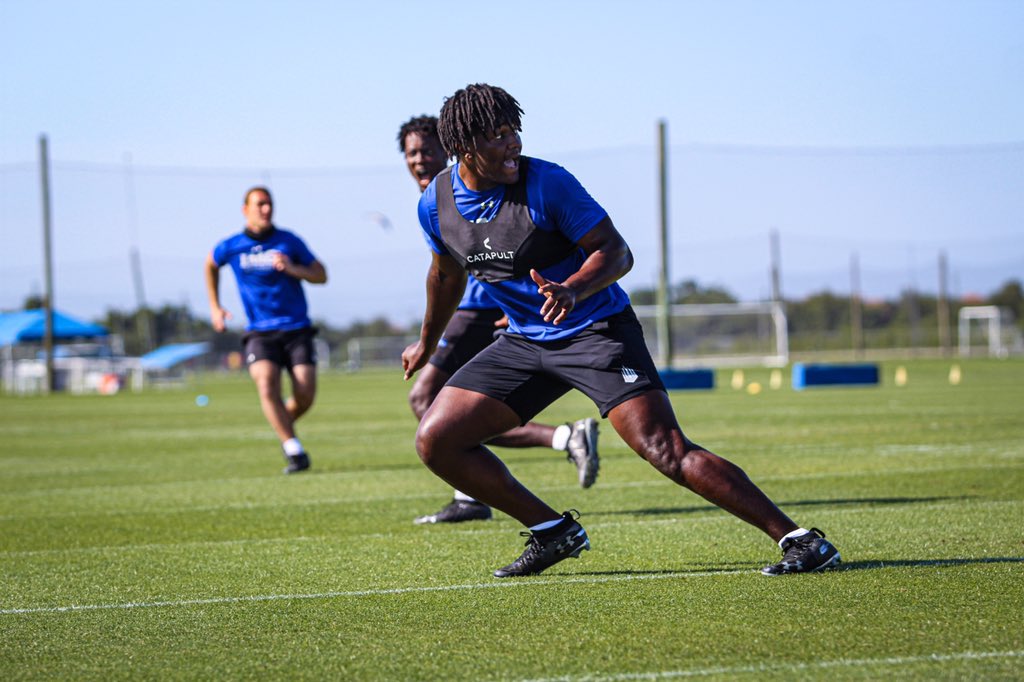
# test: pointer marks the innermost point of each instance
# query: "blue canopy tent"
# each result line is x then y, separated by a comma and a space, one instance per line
26, 326
166, 357
24, 330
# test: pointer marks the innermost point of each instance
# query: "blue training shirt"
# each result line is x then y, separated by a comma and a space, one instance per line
557, 201
475, 297
273, 301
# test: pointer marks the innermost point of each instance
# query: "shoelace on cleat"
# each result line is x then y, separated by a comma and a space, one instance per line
799, 546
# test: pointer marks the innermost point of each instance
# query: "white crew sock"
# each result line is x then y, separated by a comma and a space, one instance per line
546, 524
560, 441
292, 447
794, 534
463, 497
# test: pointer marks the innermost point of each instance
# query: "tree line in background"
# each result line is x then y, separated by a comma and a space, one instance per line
822, 321
825, 321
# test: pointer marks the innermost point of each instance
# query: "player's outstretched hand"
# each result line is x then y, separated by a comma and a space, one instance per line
560, 299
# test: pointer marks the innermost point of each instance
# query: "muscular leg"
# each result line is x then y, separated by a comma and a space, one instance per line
648, 425
432, 379
448, 441
267, 377
303, 391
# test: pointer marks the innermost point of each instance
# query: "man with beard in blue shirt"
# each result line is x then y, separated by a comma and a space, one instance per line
270, 265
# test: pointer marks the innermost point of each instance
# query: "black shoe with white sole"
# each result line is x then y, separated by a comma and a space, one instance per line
296, 463
458, 511
547, 547
805, 554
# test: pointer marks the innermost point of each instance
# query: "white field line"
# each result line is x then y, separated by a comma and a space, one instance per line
892, 661
712, 516
342, 498
497, 584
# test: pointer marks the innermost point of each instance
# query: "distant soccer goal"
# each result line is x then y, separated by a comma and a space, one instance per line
988, 326
721, 334
376, 351
703, 335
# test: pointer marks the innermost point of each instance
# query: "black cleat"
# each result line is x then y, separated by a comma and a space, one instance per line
805, 554
546, 548
582, 450
296, 463
457, 511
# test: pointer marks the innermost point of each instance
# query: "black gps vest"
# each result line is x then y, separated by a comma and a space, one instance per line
506, 247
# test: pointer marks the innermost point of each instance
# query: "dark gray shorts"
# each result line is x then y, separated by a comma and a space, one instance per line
608, 362
468, 333
283, 348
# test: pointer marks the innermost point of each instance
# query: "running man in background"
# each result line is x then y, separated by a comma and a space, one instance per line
550, 256
270, 265
470, 330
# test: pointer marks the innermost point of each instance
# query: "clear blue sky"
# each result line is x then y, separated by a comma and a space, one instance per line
893, 130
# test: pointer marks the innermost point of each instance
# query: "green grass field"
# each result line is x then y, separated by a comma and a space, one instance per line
145, 537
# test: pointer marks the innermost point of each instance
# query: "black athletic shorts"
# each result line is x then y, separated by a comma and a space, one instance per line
283, 348
468, 333
608, 362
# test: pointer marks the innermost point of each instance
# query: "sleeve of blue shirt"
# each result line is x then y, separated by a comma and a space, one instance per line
427, 211
563, 202
219, 255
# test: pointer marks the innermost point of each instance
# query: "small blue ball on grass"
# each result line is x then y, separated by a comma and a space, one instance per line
202, 400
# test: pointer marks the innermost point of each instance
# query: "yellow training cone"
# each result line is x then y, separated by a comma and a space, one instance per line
901, 376
753, 388
954, 375
737, 379
775, 381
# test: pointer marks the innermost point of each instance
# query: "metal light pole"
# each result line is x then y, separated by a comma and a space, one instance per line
44, 181
664, 304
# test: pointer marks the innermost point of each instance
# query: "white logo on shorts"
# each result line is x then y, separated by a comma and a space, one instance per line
629, 375
251, 358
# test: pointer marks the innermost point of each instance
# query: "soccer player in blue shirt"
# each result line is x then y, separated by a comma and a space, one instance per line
470, 330
270, 265
550, 256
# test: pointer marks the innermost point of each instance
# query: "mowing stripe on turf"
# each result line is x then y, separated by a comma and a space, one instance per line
343, 498
367, 593
528, 582
713, 517
788, 667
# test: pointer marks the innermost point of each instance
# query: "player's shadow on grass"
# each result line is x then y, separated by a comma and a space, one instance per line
699, 570
926, 563
707, 569
857, 501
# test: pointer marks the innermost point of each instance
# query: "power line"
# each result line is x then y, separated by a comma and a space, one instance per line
760, 149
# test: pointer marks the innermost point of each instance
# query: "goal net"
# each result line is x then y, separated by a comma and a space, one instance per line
991, 327
375, 351
721, 334
703, 335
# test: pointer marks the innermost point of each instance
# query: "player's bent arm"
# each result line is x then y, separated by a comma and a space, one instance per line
608, 260
314, 273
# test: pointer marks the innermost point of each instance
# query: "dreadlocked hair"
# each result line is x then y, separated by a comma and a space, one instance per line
424, 125
478, 109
